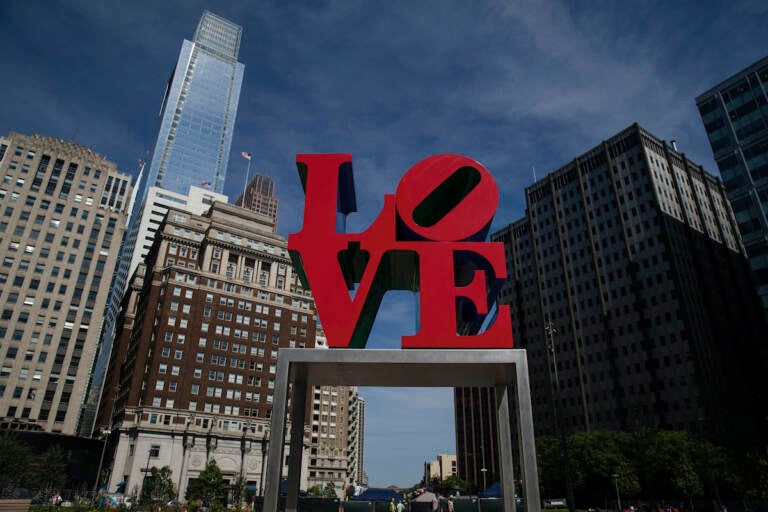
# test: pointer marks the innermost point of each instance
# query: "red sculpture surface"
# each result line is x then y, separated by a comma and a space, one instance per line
427, 238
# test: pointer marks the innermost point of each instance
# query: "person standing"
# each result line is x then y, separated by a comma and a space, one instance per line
436, 502
392, 505
401, 506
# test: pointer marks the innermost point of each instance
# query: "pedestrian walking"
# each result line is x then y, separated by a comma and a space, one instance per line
401, 506
392, 506
436, 502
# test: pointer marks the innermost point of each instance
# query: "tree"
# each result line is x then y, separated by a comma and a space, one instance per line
158, 486
595, 458
315, 491
209, 482
51, 469
239, 490
14, 465
453, 484
330, 490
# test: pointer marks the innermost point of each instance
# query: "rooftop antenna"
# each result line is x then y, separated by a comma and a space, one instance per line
533, 170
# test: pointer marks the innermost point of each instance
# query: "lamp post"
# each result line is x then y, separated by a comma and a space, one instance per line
105, 432
264, 445
483, 469
550, 331
616, 484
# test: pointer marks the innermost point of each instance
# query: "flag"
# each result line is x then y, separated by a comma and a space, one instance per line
245, 155
206, 184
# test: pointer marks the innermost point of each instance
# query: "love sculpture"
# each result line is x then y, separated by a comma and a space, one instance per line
429, 237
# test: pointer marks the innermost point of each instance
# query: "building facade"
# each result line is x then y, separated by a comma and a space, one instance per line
64, 209
259, 196
356, 441
197, 117
192, 148
331, 432
735, 115
476, 439
158, 201
193, 371
337, 432
442, 468
630, 290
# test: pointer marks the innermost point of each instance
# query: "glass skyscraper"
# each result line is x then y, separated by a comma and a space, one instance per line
735, 115
192, 147
199, 109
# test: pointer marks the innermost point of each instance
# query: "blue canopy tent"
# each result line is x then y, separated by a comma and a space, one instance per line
373, 494
284, 489
494, 491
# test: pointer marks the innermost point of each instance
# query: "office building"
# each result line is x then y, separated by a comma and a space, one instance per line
476, 442
158, 201
735, 115
259, 196
336, 435
335, 438
193, 371
356, 441
630, 290
197, 116
64, 209
197, 119
440, 469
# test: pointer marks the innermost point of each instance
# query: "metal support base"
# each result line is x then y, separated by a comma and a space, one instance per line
501, 369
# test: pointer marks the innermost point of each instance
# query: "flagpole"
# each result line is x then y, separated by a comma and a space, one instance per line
247, 173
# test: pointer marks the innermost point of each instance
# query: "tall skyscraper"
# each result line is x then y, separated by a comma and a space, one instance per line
333, 438
259, 196
64, 209
631, 292
197, 117
356, 440
192, 375
194, 136
336, 435
735, 115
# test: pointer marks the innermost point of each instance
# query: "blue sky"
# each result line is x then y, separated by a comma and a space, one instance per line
512, 84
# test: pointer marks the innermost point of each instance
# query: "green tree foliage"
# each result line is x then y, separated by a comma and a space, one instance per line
239, 490
646, 463
595, 459
209, 482
315, 491
14, 465
453, 483
51, 469
158, 486
330, 490
756, 477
